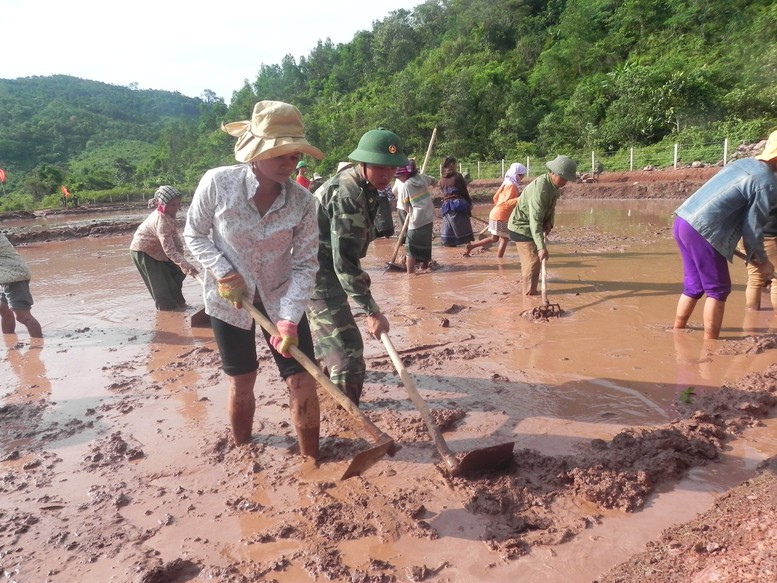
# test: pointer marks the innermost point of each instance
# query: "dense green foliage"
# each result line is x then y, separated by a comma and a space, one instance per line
498, 78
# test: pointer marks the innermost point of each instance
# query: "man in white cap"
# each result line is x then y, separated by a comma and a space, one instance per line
732, 205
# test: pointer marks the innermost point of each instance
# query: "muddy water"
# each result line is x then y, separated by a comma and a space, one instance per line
611, 361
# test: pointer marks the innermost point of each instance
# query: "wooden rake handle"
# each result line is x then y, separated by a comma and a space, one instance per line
451, 462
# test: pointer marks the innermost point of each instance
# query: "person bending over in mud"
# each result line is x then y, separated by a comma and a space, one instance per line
157, 251
418, 202
533, 216
254, 230
505, 199
733, 204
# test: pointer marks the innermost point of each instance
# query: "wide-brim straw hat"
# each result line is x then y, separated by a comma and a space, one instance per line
770, 149
275, 129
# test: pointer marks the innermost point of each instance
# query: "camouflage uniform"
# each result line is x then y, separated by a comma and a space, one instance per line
347, 205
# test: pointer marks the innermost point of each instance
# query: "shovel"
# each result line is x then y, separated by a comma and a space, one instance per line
485, 458
383, 444
200, 319
393, 265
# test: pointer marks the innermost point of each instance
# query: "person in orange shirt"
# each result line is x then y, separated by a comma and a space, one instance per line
505, 200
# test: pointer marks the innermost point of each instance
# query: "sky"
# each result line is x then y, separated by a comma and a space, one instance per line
171, 44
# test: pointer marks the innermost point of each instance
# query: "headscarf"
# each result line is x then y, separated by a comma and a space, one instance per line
163, 195
515, 173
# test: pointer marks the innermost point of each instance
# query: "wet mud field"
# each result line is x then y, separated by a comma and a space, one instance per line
640, 453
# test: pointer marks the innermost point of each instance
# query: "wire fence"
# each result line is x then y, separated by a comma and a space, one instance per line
658, 156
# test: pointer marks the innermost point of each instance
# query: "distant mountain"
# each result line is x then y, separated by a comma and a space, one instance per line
54, 119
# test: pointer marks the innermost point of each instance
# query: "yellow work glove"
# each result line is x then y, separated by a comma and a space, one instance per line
286, 339
233, 287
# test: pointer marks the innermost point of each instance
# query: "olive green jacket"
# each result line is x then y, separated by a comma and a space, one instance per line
536, 210
347, 205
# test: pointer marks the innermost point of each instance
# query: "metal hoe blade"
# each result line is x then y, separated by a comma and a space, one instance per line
367, 458
486, 458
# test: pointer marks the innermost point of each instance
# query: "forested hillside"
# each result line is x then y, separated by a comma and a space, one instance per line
498, 78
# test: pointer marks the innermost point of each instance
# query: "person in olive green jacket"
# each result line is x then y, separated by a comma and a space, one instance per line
533, 217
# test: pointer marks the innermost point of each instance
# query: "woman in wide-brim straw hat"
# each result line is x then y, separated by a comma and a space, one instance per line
254, 230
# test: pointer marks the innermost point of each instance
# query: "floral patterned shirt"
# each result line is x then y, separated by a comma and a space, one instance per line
275, 252
158, 237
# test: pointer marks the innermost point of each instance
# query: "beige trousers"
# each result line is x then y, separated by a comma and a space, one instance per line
530, 266
759, 275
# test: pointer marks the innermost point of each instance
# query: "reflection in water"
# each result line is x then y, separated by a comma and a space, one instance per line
171, 335
29, 370
26, 390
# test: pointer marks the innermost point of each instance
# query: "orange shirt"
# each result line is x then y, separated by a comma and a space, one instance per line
505, 199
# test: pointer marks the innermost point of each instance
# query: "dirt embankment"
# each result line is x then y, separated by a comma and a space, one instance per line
642, 184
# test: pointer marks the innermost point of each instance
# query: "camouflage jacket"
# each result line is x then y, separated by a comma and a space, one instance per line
346, 210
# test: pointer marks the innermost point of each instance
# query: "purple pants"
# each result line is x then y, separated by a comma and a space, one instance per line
705, 271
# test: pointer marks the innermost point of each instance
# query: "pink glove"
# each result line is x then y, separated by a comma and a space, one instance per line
287, 337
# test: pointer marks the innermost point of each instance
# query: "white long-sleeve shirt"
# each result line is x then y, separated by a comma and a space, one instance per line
276, 253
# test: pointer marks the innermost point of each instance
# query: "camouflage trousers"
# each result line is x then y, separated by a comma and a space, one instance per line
338, 344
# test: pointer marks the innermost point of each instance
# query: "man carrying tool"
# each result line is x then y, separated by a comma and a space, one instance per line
533, 216
347, 204
254, 230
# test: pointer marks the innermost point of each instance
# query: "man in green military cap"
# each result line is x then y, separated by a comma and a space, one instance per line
347, 205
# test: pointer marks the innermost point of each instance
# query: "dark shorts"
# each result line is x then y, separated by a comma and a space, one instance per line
237, 347
17, 295
419, 243
705, 271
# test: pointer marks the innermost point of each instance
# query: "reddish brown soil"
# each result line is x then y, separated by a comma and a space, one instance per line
519, 503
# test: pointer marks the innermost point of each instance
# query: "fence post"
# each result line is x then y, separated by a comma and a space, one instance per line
527, 166
631, 159
676, 148
593, 162
478, 169
725, 151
